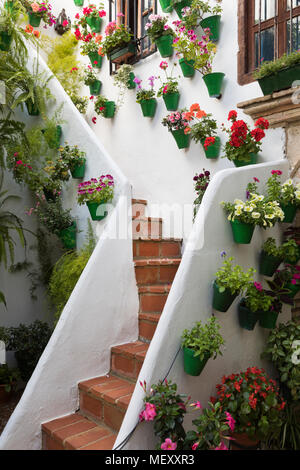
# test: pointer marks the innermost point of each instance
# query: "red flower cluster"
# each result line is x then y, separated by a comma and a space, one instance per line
240, 130
209, 141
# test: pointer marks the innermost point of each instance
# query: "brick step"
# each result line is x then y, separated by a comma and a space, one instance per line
138, 207
127, 359
146, 227
156, 271
153, 297
160, 248
76, 432
147, 325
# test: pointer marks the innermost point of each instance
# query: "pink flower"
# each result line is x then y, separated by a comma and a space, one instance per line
194, 446
221, 447
230, 421
163, 65
256, 179
258, 286
35, 7
120, 15
65, 23
197, 405
168, 445
165, 89
149, 413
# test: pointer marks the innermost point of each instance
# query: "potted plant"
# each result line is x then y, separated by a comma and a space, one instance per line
278, 74
80, 102
194, 16
91, 80
272, 256
6, 30
253, 400
161, 34
118, 44
178, 124
244, 144
124, 80
178, 6
166, 6
91, 46
8, 382
201, 184
200, 344
93, 16
229, 282
166, 408
204, 131
169, 89
255, 302
104, 107
96, 193
293, 233
38, 11
75, 160
287, 194
146, 98
289, 278
79, 3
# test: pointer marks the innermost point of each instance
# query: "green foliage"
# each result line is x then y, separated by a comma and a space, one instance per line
121, 36
96, 190
52, 216
81, 102
11, 134
89, 75
269, 68
233, 277
289, 438
66, 273
285, 193
8, 377
204, 339
201, 184
256, 298
72, 156
157, 27
205, 127
144, 95
121, 80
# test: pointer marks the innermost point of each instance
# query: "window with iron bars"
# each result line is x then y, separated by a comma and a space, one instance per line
267, 30
136, 15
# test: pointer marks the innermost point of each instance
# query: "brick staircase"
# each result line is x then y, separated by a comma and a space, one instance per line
104, 400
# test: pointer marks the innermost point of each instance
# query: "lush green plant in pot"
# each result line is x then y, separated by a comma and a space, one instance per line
124, 80
202, 13
204, 131
289, 278
287, 194
160, 33
96, 193
200, 344
146, 98
94, 16
178, 5
272, 256
38, 11
229, 282
75, 159
169, 90
118, 44
178, 124
104, 107
91, 80
255, 302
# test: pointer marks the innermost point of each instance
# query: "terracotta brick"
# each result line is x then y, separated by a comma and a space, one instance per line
146, 274
91, 406
59, 423
50, 444
146, 329
148, 249
152, 302
87, 384
167, 273
123, 402
73, 429
113, 416
172, 249
106, 443
99, 390
87, 438
123, 365
114, 395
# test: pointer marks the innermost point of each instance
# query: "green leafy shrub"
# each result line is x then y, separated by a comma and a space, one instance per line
233, 277
288, 250
273, 67
203, 339
256, 298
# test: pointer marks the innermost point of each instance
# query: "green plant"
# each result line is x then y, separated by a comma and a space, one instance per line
89, 75
269, 68
9, 20
41, 9
28, 343
8, 377
67, 272
143, 94
205, 127
72, 156
166, 408
170, 84
96, 190
288, 275
201, 184
11, 134
81, 102
203, 339
285, 193
122, 79
253, 399
256, 298
177, 120
288, 250
99, 105
289, 438
195, 13
233, 277
157, 27
116, 37
51, 215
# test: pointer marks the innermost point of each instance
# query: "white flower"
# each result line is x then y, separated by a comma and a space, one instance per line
260, 198
297, 194
269, 216
248, 209
255, 215
238, 201
288, 182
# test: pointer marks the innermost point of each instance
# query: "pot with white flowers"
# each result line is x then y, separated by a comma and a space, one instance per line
96, 194
287, 194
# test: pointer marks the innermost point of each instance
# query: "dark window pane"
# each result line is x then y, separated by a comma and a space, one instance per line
264, 10
295, 35
266, 46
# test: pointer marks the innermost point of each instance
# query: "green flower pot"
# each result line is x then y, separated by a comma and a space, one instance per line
79, 170
193, 365
187, 67
222, 300
9, 6
95, 59
213, 151
171, 101
131, 84
165, 45
280, 81
121, 55
148, 107
79, 3
268, 264
54, 141
214, 83
213, 23
5, 41
290, 211
182, 140
242, 233
294, 289
166, 6
97, 211
94, 24
179, 6
95, 88
110, 109
32, 108
34, 20
252, 161
68, 237
268, 319
247, 318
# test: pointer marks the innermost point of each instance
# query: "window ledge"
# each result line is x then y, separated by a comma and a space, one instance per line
280, 108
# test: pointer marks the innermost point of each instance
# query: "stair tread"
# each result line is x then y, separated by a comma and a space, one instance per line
152, 317
157, 262
155, 289
136, 349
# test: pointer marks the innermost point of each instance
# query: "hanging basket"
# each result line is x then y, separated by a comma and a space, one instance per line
193, 365
290, 211
222, 300
247, 318
212, 151
95, 88
182, 139
179, 6
268, 319
79, 170
148, 107
97, 211
252, 160
95, 59
110, 109
166, 6
187, 67
94, 24
214, 83
268, 264
5, 41
213, 23
34, 20
68, 237
242, 233
171, 101
165, 45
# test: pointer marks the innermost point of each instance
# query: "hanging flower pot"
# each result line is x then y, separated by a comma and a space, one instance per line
34, 20
268, 264
193, 365
180, 5
222, 300
95, 87
290, 211
182, 139
242, 233
252, 161
187, 67
214, 82
78, 170
5, 41
149, 107
95, 59
94, 23
166, 6
122, 54
53, 141
213, 150
110, 108
241, 441
165, 45
97, 211
268, 319
79, 3
171, 101
293, 288
131, 84
32, 107
213, 23
68, 236
247, 318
